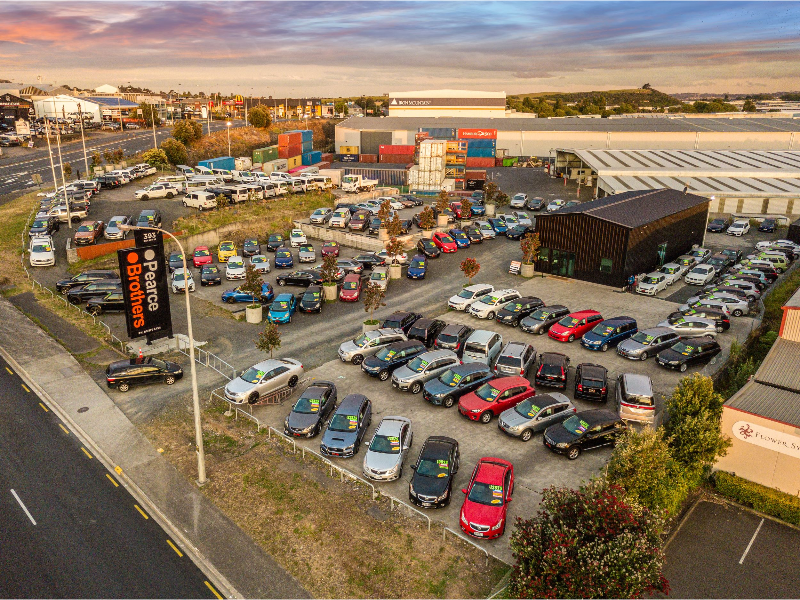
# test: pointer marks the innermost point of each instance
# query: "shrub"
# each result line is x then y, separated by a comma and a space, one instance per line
530, 245
489, 192
383, 212
222, 201
393, 227
329, 269
269, 339
186, 131
175, 151
470, 268
393, 248
252, 284
258, 116
763, 499
501, 200
466, 208
156, 158
373, 298
66, 168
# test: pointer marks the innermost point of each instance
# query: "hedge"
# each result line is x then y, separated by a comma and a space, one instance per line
763, 499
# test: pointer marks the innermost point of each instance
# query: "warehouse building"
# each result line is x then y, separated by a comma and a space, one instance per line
14, 108
447, 103
763, 418
607, 240
100, 108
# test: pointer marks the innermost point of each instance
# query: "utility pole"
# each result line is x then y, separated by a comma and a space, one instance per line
153, 118
61, 166
50, 151
83, 141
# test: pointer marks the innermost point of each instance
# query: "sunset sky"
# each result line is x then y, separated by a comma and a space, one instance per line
349, 48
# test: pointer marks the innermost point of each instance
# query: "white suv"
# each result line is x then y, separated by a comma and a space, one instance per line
464, 299
340, 218
42, 254
487, 306
157, 190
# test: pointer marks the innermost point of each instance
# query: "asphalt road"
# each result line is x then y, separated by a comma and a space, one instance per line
69, 529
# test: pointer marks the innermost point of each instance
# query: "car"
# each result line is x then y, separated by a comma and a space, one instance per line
350, 266
251, 247
486, 229
517, 232
297, 238
306, 254
755, 278
460, 379
707, 303
374, 225
730, 283
647, 342
321, 216
473, 233
690, 327
739, 227
340, 218
652, 283
181, 281
757, 265
736, 303
368, 343
689, 352
428, 248
515, 359
41, 252
519, 200
426, 330
309, 413
418, 267
464, 299
635, 398
360, 220
486, 307
554, 205
720, 262
275, 241
379, 277
535, 203
700, 254
235, 268
397, 259
284, 258
552, 370
718, 225
779, 260
700, 275
591, 382
586, 430
513, 312
112, 231
453, 337
422, 368
498, 224
540, 321
201, 256
535, 414
262, 379
609, 333
459, 237
65, 285
672, 272
351, 288
225, 250
311, 300
157, 190
686, 261
431, 485
493, 397
734, 255
509, 220
387, 451
299, 278
483, 346
768, 225
444, 242
383, 363
370, 260
111, 302
282, 308
484, 512
728, 290
405, 225
574, 325
210, 275
400, 320
174, 261
238, 295
260, 263
93, 289
89, 232
122, 374
46, 226
347, 427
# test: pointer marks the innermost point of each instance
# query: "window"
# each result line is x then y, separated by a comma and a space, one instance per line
544, 254
606, 265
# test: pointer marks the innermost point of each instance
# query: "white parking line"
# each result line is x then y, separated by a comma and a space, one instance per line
23, 506
753, 539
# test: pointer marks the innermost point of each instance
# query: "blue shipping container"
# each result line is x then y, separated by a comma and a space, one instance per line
308, 147
311, 158
221, 162
440, 133
307, 134
480, 152
481, 144
348, 157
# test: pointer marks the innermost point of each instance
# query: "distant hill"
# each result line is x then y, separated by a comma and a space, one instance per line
634, 97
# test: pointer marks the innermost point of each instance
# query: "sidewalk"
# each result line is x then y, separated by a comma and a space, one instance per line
228, 556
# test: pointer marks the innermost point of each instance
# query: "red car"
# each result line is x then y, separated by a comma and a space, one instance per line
351, 288
483, 514
202, 256
456, 208
330, 248
575, 325
493, 397
444, 242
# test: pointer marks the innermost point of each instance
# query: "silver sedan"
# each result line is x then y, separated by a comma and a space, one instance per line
262, 379
388, 449
691, 327
535, 414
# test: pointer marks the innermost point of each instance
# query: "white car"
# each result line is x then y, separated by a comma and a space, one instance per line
380, 276
464, 299
486, 307
260, 263
235, 268
42, 253
157, 190
297, 238
519, 200
179, 280
700, 254
486, 229
673, 272
700, 275
508, 220
523, 218
554, 205
340, 218
144, 169
739, 227
652, 283
393, 202
401, 258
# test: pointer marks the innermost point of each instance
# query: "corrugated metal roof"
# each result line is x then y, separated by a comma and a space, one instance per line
112, 102
781, 366
794, 301
765, 401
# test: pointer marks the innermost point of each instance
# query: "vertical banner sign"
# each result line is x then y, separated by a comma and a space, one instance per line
144, 287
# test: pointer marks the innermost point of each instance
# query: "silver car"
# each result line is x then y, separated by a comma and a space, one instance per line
307, 254
388, 449
112, 230
464, 299
515, 359
262, 379
180, 280
535, 414
691, 327
367, 344
736, 306
321, 216
260, 263
647, 343
413, 375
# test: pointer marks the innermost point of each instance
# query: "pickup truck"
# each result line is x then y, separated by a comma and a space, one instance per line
357, 183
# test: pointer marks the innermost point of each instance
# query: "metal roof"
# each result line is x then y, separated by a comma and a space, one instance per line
766, 401
781, 366
111, 102
794, 301
633, 209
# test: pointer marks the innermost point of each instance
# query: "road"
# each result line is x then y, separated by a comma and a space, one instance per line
69, 528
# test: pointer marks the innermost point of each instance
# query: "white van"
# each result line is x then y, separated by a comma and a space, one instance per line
281, 188
209, 179
184, 170
270, 188
236, 193
323, 182
296, 185
176, 180
280, 176
309, 181
224, 174
203, 171
201, 200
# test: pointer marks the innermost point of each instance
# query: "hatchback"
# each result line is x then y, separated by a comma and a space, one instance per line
351, 288
647, 343
591, 382
262, 379
311, 410
453, 337
768, 225
388, 448
429, 248
486, 229
483, 346
401, 320
424, 367
487, 306
331, 248
431, 485
585, 430
652, 284
134, 371
282, 309
540, 321
418, 267
721, 320
235, 269
700, 275
283, 258
552, 370
392, 357
535, 414
225, 250
516, 310
690, 352
347, 427
444, 242
210, 275
275, 241
515, 359
251, 247
690, 327
311, 300
460, 238
739, 227
201, 256
181, 281
609, 333
635, 398
484, 512
493, 397
379, 277
575, 325
447, 389
426, 330
672, 272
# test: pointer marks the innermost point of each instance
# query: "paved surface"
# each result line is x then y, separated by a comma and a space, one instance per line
724, 551
74, 339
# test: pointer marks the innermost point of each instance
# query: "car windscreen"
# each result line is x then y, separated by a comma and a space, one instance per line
513, 307
550, 369
202, 253
568, 321
484, 493
308, 405
378, 276
226, 247
386, 354
312, 296
487, 392
490, 300
279, 306
210, 269
385, 444
643, 338
433, 468
235, 264
603, 330
684, 348
41, 223
283, 254
258, 259
418, 364
651, 280
42, 248
541, 315
341, 422
465, 294
85, 228
575, 425
526, 408
252, 375
417, 264
178, 276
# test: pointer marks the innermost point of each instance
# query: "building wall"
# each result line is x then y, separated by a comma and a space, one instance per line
790, 325
52, 107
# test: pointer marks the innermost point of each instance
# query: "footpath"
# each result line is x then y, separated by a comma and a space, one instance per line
231, 559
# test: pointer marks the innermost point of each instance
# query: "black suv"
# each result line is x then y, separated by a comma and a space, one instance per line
94, 289
65, 285
347, 427
768, 225
584, 431
112, 302
425, 330
400, 320
686, 353
447, 389
591, 382
552, 370
311, 410
453, 338
133, 371
543, 318
393, 356
44, 226
431, 485
516, 310
149, 218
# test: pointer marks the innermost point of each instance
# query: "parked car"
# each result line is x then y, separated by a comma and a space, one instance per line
418, 267
540, 321
111, 302
350, 266
46, 226
282, 308
65, 285
700, 254
652, 284
368, 343
700, 275
739, 227
498, 224
609, 333
262, 379
554, 205
92, 289
768, 226
311, 300
474, 234
486, 229
351, 288
181, 281
591, 382
41, 252
484, 512
513, 312
424, 367
428, 248
686, 261
201, 256
486, 307
690, 327
635, 398
426, 330
297, 238
260, 263
672, 272
647, 343
736, 303
122, 374
734, 255
460, 238
515, 359
331, 248
89, 232
370, 260
321, 216
431, 485
383, 363
582, 431
535, 414
688, 353
234, 268
210, 275
112, 231
400, 320
552, 370
379, 277
347, 427
464, 299
238, 295
311, 410
157, 190
174, 261
493, 397
386, 452
519, 200
458, 380
575, 325
225, 250
483, 346
360, 220
718, 225
306, 254
284, 258
275, 241
299, 278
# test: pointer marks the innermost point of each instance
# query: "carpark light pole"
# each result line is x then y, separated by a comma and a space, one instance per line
198, 428
83, 141
228, 126
61, 164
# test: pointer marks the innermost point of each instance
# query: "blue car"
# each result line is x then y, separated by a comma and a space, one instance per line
609, 333
282, 309
417, 267
478, 210
499, 225
460, 238
284, 258
237, 295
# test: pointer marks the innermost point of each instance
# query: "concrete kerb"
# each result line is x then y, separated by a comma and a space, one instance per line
217, 578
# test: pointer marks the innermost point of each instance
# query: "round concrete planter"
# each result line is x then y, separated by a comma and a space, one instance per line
466, 223
395, 271
330, 291
365, 327
441, 220
490, 210
427, 233
253, 314
383, 234
527, 270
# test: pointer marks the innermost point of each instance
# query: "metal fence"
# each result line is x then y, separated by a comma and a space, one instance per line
207, 359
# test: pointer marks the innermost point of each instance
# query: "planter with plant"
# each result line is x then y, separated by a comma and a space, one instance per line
373, 295
383, 214
328, 272
442, 204
530, 246
393, 248
252, 285
466, 212
489, 194
427, 222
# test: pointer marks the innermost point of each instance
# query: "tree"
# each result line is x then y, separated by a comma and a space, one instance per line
66, 168
97, 160
442, 202
186, 131
527, 103
647, 86
589, 542
693, 428
117, 155
329, 270
501, 200
373, 298
175, 151
466, 207
384, 210
530, 245
340, 108
393, 227
470, 268
489, 192
749, 106
259, 117
108, 155
252, 284
393, 248
269, 339
149, 112
156, 158
426, 218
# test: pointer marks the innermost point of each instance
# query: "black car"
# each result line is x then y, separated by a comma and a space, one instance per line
370, 260
734, 255
447, 389
591, 382
431, 485
518, 231
474, 234
44, 226
347, 427
718, 225
768, 225
210, 275
149, 218
111, 302
584, 431
349, 266
92, 290
400, 320
405, 225
109, 181
686, 353
311, 410
552, 370
720, 262
393, 356
275, 241
453, 337
133, 371
251, 247
756, 281
65, 285
543, 318
425, 330
722, 320
311, 300
374, 226
428, 248
175, 261
535, 204
516, 310
301, 278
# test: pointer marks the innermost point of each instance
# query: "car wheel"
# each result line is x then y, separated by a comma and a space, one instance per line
416, 388
779, 270
281, 282
187, 206
737, 313
515, 323
252, 398
169, 379
170, 195
683, 368
542, 331
573, 453
230, 300
74, 300
643, 356
490, 316
448, 402
124, 387
358, 359
571, 338
604, 347
526, 435
486, 417
293, 381
145, 197
95, 311
383, 375
719, 329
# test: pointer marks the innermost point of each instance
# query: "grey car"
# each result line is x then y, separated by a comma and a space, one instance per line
112, 230
647, 343
535, 414
736, 306
262, 379
413, 375
307, 253
388, 449
367, 344
515, 359
541, 320
691, 327
321, 216
347, 427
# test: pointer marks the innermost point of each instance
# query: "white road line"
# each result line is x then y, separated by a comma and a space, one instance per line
753, 539
29, 514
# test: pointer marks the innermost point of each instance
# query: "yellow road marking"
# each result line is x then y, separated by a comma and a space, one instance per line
24, 387
64, 428
10, 372
211, 587
118, 470
86, 452
171, 545
141, 511
111, 479
44, 408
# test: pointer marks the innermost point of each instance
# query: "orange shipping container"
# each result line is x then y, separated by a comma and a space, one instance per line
290, 139
368, 158
289, 151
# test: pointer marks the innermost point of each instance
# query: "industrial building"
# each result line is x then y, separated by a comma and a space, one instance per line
14, 108
607, 240
100, 108
447, 103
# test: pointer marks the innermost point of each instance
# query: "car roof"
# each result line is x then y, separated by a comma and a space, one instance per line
514, 349
481, 335
545, 400
284, 297
476, 287
584, 313
491, 470
352, 403
270, 363
386, 331
618, 320
437, 447
398, 315
503, 383
553, 358
592, 370
352, 277
470, 367
423, 323
597, 416
391, 425
656, 331
636, 383
432, 355
402, 345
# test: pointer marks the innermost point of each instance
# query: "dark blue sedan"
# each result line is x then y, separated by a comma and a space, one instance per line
284, 258
417, 267
460, 237
499, 225
478, 209
237, 295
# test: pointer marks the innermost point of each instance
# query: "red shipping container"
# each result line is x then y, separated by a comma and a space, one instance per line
290, 151
480, 162
477, 134
498, 162
475, 175
393, 149
396, 158
368, 158
422, 135
290, 139
323, 165
327, 157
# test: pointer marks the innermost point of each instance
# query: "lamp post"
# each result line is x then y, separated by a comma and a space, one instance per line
228, 127
83, 141
198, 429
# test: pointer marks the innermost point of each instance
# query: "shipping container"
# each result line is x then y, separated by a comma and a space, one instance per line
509, 161
455, 159
457, 147
480, 152
243, 163
322, 165
399, 159
387, 177
454, 171
348, 158
306, 135
479, 134
371, 141
396, 149
348, 149
294, 161
262, 155
480, 162
290, 151
440, 133
296, 170
418, 137
482, 144
309, 158
432, 148
327, 157
309, 146
222, 162
289, 139
368, 158
279, 164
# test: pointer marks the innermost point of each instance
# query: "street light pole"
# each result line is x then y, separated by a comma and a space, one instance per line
228, 126
83, 141
61, 165
198, 428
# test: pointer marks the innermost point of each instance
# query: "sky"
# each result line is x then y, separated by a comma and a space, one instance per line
351, 48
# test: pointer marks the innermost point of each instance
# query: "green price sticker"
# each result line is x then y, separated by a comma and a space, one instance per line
533, 411
443, 464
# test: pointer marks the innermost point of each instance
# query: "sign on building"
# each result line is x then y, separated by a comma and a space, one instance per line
22, 127
144, 286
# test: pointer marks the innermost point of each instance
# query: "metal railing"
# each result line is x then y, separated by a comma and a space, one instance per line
207, 359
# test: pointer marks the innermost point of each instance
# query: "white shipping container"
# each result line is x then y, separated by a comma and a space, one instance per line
279, 164
433, 178
243, 163
431, 163
334, 174
432, 148
449, 185
312, 170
